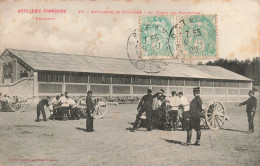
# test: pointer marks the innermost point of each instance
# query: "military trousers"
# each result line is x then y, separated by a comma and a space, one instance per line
250, 118
40, 110
89, 122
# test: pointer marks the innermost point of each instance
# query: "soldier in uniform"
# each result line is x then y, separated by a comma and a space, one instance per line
40, 108
173, 111
89, 111
145, 105
251, 105
194, 117
55, 105
185, 107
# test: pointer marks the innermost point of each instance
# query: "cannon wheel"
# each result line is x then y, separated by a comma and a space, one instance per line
215, 115
100, 107
19, 106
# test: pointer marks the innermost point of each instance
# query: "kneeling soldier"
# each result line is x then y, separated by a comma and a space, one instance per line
194, 117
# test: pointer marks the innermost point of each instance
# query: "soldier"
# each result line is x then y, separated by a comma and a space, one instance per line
55, 105
159, 107
251, 105
89, 111
40, 108
194, 117
185, 107
64, 107
145, 105
173, 112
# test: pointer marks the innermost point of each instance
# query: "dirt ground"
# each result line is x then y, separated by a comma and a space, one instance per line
23, 140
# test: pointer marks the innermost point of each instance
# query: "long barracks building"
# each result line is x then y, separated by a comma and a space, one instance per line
33, 75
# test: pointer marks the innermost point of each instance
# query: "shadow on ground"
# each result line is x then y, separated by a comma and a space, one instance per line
173, 141
82, 129
235, 130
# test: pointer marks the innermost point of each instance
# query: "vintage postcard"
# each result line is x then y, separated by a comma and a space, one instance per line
129, 82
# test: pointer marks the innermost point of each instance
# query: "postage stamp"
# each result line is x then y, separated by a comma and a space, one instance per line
133, 52
199, 39
154, 37
178, 37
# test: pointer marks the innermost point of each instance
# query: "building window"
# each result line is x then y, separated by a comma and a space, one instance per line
206, 91
141, 81
191, 82
140, 89
71, 88
121, 80
233, 92
206, 83
100, 89
99, 79
220, 84
47, 77
159, 81
220, 91
244, 84
50, 88
76, 78
176, 82
233, 84
121, 89
158, 88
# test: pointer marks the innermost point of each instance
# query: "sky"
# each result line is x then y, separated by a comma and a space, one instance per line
106, 35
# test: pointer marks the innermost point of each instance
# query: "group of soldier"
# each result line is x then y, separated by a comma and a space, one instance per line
157, 107
6, 101
62, 107
160, 108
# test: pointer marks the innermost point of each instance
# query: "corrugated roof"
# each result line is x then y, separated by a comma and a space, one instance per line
48, 61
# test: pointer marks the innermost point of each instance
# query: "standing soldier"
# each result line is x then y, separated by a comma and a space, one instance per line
40, 108
173, 112
90, 110
145, 105
251, 104
194, 120
55, 103
185, 107
64, 107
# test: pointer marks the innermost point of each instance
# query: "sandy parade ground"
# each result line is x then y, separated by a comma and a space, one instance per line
26, 142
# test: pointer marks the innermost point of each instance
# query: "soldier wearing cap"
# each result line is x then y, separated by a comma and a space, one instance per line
89, 111
251, 105
194, 120
145, 105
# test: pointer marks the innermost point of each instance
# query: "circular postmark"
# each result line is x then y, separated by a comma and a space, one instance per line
146, 65
199, 36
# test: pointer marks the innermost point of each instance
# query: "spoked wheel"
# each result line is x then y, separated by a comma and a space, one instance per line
215, 115
20, 105
17, 106
100, 107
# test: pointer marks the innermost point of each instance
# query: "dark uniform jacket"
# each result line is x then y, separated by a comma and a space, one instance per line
89, 104
43, 102
195, 107
250, 103
146, 102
